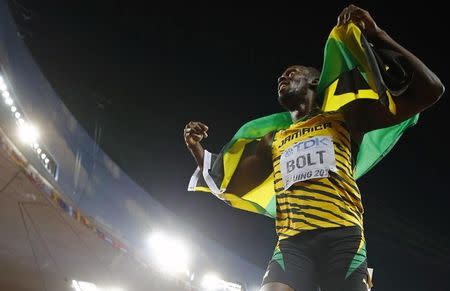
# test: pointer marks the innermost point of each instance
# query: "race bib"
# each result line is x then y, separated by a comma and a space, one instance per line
307, 159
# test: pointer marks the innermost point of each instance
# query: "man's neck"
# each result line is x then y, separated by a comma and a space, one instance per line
300, 115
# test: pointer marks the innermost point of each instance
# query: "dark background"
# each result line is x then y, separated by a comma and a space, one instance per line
136, 74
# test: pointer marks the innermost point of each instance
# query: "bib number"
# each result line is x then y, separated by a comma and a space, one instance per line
307, 159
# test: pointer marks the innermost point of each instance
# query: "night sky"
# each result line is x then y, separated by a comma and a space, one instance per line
138, 73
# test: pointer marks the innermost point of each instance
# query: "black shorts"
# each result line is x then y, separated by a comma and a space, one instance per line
333, 259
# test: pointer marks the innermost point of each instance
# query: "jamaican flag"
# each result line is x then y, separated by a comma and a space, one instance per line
352, 69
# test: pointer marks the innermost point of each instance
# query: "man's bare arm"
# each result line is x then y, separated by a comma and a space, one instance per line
253, 170
194, 133
250, 172
425, 88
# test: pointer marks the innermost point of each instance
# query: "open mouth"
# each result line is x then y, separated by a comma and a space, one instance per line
282, 85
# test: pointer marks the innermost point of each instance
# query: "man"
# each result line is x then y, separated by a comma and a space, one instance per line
319, 211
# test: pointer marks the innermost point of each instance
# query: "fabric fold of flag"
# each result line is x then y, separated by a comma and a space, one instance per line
352, 69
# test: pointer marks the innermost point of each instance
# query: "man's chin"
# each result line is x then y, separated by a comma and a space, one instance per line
289, 106
290, 101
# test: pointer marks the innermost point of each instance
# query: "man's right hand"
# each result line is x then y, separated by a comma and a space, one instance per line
194, 133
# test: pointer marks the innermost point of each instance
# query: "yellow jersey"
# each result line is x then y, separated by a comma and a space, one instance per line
317, 198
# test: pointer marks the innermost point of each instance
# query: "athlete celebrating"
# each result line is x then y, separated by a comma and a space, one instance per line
319, 219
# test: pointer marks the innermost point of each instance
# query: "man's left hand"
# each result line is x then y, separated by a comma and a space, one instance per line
360, 17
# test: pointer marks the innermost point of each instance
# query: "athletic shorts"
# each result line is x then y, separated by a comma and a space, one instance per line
333, 259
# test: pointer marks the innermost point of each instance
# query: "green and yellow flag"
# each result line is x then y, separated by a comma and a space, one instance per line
352, 69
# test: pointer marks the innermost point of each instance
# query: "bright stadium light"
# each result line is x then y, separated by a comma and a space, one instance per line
75, 285
5, 94
230, 286
13, 109
35, 145
88, 286
43, 156
8, 100
38, 150
28, 133
21, 121
3, 85
169, 253
46, 161
211, 282
17, 115
84, 286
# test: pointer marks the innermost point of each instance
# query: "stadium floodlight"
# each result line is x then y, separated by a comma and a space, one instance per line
211, 282
7, 99
230, 286
13, 109
88, 286
75, 285
43, 156
38, 150
3, 86
47, 160
28, 133
6, 94
17, 115
169, 253
84, 286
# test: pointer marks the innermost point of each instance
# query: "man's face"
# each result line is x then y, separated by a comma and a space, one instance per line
293, 86
295, 78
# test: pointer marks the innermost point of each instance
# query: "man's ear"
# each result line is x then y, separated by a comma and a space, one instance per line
314, 83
